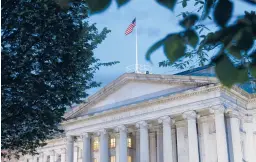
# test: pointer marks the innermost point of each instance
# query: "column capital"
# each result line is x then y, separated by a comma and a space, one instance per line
231, 113
63, 151
217, 111
121, 128
69, 139
52, 153
85, 135
102, 131
141, 124
189, 115
166, 120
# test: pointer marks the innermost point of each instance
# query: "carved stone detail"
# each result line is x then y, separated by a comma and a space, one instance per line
166, 120
141, 124
102, 131
231, 113
189, 115
121, 128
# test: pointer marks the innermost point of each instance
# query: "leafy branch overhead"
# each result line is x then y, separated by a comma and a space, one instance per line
234, 41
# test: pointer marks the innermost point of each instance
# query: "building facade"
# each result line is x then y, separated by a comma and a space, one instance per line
158, 118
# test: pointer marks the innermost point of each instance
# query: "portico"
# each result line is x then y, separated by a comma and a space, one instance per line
159, 118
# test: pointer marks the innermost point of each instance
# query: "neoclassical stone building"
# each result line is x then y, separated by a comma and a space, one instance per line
187, 117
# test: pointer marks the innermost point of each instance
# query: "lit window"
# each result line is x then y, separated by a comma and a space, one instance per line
112, 143
129, 159
129, 142
96, 144
112, 158
95, 160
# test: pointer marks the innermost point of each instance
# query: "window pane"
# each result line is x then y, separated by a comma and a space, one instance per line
96, 144
112, 158
112, 143
129, 159
129, 142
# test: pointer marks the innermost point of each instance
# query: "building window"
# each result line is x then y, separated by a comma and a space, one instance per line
96, 144
112, 158
129, 159
112, 143
95, 160
129, 142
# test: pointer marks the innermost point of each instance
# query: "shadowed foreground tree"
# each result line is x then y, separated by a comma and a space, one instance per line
235, 61
47, 65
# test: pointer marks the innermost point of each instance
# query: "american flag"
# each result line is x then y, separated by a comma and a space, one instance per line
130, 27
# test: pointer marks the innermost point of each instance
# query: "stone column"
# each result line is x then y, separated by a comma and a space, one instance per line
159, 142
167, 138
103, 146
41, 157
144, 144
152, 144
76, 151
117, 136
205, 133
221, 135
249, 141
137, 146
52, 156
63, 155
122, 143
190, 116
235, 135
70, 149
86, 154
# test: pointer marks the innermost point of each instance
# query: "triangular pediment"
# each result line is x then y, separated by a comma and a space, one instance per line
132, 88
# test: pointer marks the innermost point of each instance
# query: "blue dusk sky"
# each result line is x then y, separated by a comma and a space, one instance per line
153, 21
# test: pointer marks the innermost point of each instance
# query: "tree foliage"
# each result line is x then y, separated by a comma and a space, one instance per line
47, 64
232, 39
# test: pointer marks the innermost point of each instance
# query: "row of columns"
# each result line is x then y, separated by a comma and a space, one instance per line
167, 151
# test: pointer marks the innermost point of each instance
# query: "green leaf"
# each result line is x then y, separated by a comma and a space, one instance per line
253, 70
174, 47
223, 12
227, 73
167, 3
207, 6
184, 3
189, 21
245, 39
120, 3
191, 37
97, 6
153, 48
233, 50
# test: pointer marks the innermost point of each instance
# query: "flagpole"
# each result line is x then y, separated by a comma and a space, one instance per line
136, 65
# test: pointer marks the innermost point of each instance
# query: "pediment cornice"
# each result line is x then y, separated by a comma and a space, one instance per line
146, 78
167, 79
